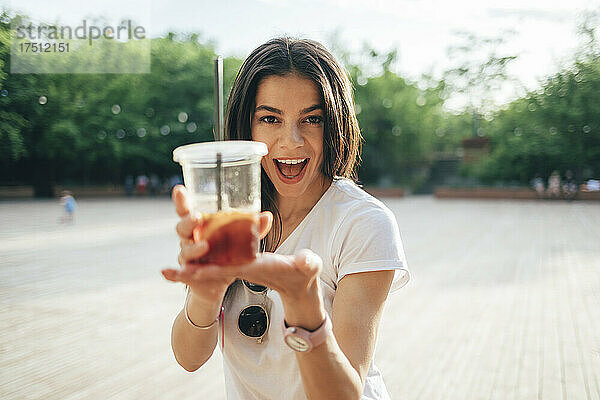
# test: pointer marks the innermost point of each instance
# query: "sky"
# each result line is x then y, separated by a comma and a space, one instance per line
544, 32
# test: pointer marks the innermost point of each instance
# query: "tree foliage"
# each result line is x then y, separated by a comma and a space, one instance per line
554, 128
98, 128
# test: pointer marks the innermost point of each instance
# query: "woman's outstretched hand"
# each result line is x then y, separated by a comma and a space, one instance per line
295, 278
209, 288
290, 275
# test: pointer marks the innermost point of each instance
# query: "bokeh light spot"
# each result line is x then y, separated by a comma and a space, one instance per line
191, 127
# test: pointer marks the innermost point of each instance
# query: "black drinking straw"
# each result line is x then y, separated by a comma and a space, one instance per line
219, 125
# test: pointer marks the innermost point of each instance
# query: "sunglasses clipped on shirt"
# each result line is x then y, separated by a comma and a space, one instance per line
253, 320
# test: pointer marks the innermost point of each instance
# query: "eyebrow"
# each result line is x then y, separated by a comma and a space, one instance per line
278, 111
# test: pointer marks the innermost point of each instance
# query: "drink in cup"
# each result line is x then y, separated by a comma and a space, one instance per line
232, 237
223, 182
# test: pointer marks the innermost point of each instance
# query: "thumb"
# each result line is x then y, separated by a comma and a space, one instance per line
308, 262
265, 223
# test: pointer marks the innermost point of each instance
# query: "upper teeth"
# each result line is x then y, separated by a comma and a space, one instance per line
297, 161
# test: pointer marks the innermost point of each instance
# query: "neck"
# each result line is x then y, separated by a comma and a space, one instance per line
291, 208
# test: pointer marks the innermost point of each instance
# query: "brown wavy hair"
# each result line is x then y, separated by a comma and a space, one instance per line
342, 139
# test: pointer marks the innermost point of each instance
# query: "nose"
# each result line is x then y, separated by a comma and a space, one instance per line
291, 137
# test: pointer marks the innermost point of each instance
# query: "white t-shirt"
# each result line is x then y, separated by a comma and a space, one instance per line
352, 232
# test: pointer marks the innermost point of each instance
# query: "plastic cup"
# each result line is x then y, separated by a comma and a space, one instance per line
223, 182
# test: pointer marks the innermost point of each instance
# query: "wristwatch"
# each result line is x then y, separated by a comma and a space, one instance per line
301, 340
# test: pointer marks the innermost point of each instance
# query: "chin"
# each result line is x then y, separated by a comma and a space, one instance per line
289, 190
284, 190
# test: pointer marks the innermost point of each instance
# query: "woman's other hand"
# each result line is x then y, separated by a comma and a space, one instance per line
295, 278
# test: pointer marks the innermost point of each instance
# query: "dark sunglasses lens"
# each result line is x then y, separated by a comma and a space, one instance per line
253, 321
254, 287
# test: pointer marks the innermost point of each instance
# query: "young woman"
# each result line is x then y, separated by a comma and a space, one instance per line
302, 320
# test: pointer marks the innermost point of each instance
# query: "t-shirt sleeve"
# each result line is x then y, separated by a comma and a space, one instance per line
368, 240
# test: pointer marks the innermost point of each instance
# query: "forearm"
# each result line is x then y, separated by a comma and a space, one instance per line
327, 373
192, 347
325, 370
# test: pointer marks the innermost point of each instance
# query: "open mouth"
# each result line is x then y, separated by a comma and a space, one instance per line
291, 168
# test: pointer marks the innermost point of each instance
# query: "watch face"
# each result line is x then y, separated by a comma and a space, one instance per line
297, 343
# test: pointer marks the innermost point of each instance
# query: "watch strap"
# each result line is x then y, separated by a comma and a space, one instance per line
313, 338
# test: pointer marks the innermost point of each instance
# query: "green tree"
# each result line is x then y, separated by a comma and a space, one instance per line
398, 121
479, 72
554, 128
95, 128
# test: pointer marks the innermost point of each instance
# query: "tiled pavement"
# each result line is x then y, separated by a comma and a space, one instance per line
504, 303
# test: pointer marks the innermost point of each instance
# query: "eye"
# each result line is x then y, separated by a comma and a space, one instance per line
268, 119
314, 119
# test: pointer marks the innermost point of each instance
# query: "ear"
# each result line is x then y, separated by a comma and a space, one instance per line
265, 223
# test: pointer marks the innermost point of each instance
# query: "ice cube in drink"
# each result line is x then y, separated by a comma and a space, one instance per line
232, 237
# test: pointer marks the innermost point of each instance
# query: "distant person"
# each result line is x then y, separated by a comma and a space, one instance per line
142, 184
154, 184
69, 205
554, 185
537, 184
592, 185
569, 186
166, 186
129, 185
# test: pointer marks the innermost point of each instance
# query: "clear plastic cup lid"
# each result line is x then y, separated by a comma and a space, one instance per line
231, 150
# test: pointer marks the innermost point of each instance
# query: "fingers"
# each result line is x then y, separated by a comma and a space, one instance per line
189, 276
265, 223
174, 275
179, 196
185, 275
265, 270
192, 252
185, 242
186, 225
189, 221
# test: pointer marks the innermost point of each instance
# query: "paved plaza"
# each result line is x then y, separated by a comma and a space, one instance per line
504, 303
